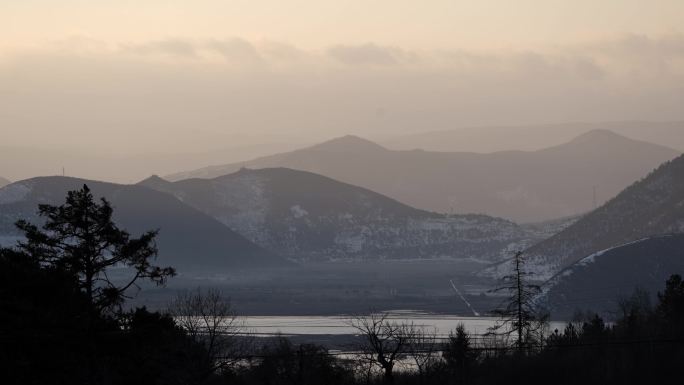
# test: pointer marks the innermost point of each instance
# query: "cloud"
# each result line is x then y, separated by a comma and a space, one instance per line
368, 54
641, 45
278, 51
234, 50
624, 56
160, 90
587, 69
173, 47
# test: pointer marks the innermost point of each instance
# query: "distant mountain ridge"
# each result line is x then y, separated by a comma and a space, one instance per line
188, 239
533, 137
522, 186
311, 217
4, 182
119, 165
650, 207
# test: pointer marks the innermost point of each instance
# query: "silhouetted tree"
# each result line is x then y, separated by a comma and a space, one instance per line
80, 238
41, 323
459, 354
671, 302
636, 313
209, 320
518, 314
386, 341
422, 348
286, 364
152, 349
594, 329
569, 337
55, 327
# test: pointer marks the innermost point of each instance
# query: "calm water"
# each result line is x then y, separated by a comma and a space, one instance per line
340, 325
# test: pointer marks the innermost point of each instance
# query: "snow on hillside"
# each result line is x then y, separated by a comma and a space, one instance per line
599, 280
306, 216
13, 193
650, 207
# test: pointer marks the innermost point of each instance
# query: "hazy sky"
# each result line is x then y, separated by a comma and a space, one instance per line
170, 75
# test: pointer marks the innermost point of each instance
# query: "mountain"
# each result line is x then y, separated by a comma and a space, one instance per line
307, 216
121, 165
188, 239
4, 182
529, 138
597, 282
652, 206
523, 186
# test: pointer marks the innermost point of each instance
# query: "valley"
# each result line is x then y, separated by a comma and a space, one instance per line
351, 192
342, 288
282, 241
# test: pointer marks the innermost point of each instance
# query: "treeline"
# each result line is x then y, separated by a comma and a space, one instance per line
644, 345
62, 321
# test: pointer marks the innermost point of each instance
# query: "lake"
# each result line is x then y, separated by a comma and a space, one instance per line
340, 325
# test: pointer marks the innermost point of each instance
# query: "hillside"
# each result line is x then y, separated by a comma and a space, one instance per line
522, 186
652, 206
188, 239
308, 216
4, 182
597, 282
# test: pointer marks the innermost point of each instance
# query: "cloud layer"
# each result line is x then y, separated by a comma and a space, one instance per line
159, 94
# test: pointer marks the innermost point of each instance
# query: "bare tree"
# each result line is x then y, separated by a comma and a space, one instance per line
210, 321
518, 314
423, 347
386, 341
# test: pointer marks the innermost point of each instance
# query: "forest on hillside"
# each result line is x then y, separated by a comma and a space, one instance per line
64, 321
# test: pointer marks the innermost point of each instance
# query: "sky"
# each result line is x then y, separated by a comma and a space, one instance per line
171, 76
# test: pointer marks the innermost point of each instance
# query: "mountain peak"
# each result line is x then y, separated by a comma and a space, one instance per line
348, 143
598, 135
603, 139
153, 181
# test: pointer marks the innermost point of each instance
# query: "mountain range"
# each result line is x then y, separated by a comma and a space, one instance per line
524, 186
306, 216
530, 138
4, 182
118, 166
188, 239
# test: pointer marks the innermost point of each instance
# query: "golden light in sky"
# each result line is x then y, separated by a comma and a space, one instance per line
187, 76
315, 24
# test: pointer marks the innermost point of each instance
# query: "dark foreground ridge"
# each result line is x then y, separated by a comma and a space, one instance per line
188, 239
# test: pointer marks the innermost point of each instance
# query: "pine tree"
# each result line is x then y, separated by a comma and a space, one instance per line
459, 354
80, 238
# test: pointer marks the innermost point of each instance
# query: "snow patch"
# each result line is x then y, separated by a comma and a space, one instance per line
353, 243
298, 211
588, 260
249, 217
13, 193
9, 240
592, 258
537, 268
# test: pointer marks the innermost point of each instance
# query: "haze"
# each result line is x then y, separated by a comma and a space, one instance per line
161, 81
